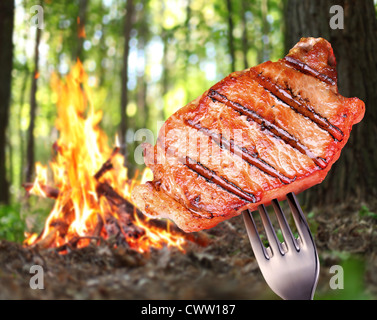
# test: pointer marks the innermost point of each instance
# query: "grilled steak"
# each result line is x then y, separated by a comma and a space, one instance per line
254, 136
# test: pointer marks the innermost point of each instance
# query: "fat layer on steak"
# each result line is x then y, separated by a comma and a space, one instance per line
254, 136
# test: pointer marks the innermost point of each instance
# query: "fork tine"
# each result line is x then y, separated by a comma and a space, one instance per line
255, 241
289, 238
270, 232
299, 218
293, 275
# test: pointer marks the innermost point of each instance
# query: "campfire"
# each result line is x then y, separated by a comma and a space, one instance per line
90, 183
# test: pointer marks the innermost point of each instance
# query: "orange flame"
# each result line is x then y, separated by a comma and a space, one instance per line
81, 29
82, 149
40, 180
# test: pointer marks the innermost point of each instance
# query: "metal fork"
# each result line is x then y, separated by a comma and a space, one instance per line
290, 268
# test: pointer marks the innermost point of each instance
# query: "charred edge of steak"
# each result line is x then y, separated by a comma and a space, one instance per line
212, 177
298, 106
251, 159
270, 127
304, 68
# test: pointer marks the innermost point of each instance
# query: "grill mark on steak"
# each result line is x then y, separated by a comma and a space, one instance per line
211, 177
198, 215
298, 106
267, 125
304, 68
250, 158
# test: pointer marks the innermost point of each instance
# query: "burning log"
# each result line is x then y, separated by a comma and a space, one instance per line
126, 206
49, 192
48, 240
57, 227
119, 229
97, 230
73, 243
108, 165
104, 189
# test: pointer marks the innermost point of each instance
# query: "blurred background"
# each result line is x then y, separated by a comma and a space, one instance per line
147, 58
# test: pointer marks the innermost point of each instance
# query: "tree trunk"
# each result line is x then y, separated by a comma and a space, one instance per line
187, 45
264, 55
81, 21
354, 175
6, 58
30, 158
142, 86
188, 31
124, 94
19, 120
165, 71
165, 83
230, 35
245, 45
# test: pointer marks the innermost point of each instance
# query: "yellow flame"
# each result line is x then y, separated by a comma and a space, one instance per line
40, 180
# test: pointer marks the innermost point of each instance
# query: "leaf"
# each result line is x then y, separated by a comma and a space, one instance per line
365, 212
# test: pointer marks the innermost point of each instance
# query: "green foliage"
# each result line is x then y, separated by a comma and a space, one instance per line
365, 212
12, 227
313, 224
